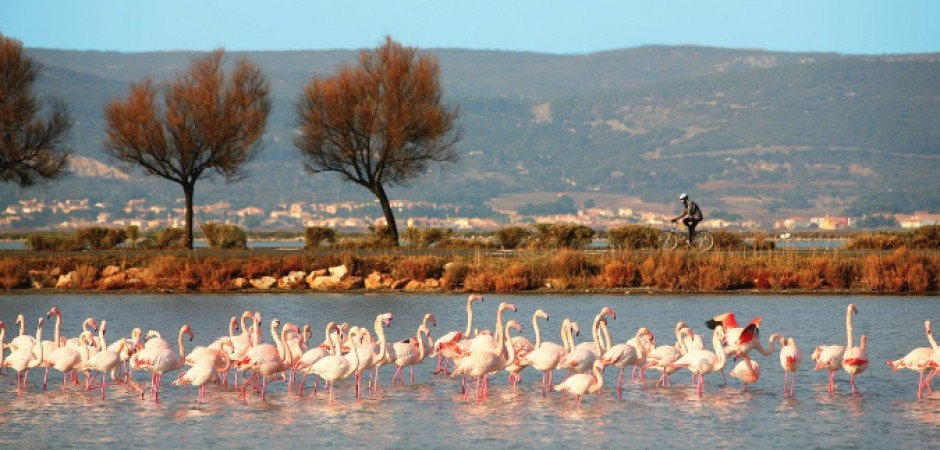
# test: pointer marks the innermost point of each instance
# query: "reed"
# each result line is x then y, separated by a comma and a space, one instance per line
12, 273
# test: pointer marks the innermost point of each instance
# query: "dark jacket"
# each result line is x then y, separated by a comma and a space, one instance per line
691, 210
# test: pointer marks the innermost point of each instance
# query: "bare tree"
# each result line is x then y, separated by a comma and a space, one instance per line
32, 149
207, 123
381, 122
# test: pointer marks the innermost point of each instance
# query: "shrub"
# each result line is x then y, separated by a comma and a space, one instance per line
85, 276
52, 242
316, 236
170, 238
225, 236
726, 240
562, 235
419, 268
926, 237
515, 278
100, 238
454, 274
380, 236
512, 237
875, 241
12, 273
133, 233
632, 237
619, 274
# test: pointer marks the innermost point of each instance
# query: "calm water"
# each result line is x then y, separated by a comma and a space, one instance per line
432, 414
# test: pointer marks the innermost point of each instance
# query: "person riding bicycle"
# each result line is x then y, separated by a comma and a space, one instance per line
691, 216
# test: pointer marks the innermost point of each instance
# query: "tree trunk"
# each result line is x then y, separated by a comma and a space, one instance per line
188, 192
379, 192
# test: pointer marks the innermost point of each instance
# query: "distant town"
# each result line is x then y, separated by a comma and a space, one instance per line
70, 214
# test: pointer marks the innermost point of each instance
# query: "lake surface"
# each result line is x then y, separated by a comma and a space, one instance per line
433, 414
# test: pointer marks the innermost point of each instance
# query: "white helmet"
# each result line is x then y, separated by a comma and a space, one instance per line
683, 196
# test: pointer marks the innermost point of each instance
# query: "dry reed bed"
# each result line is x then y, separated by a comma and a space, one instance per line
900, 271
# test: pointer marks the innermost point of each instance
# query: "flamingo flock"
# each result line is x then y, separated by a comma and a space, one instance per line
474, 355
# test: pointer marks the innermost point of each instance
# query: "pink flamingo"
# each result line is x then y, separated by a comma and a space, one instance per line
311, 356
409, 355
702, 362
23, 359
791, 357
104, 361
163, 360
545, 356
747, 371
581, 384
266, 360
623, 355
204, 371
452, 345
855, 359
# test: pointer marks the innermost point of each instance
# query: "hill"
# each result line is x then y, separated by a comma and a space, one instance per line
746, 131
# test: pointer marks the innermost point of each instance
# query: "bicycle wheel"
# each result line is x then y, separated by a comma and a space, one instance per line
704, 241
668, 240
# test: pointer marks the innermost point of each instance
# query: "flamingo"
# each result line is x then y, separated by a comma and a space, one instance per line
372, 354
623, 355
162, 360
311, 356
204, 371
747, 371
855, 359
545, 356
522, 346
582, 358
453, 344
739, 341
23, 359
66, 359
23, 340
581, 384
104, 361
920, 360
410, 355
76, 341
702, 362
336, 366
791, 357
266, 360
481, 361
663, 357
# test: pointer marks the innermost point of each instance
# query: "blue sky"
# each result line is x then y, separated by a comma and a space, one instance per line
549, 26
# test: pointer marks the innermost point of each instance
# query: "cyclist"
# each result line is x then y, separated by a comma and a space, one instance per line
691, 216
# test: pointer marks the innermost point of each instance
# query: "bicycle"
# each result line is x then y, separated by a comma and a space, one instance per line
669, 239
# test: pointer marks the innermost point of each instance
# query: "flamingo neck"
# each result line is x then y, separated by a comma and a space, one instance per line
640, 345
510, 348
421, 347
469, 317
182, 348
598, 376
595, 331
231, 327
933, 343
380, 332
58, 325
277, 340
719, 349
22, 321
41, 354
848, 327
538, 333
606, 336
104, 344
287, 351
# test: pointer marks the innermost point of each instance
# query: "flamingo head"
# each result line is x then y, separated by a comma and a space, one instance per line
575, 328
927, 327
53, 312
475, 298
852, 308
20, 320
609, 312
504, 306
187, 330
41, 321
104, 327
430, 318
3, 326
386, 319
92, 323
514, 325
541, 313
233, 322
